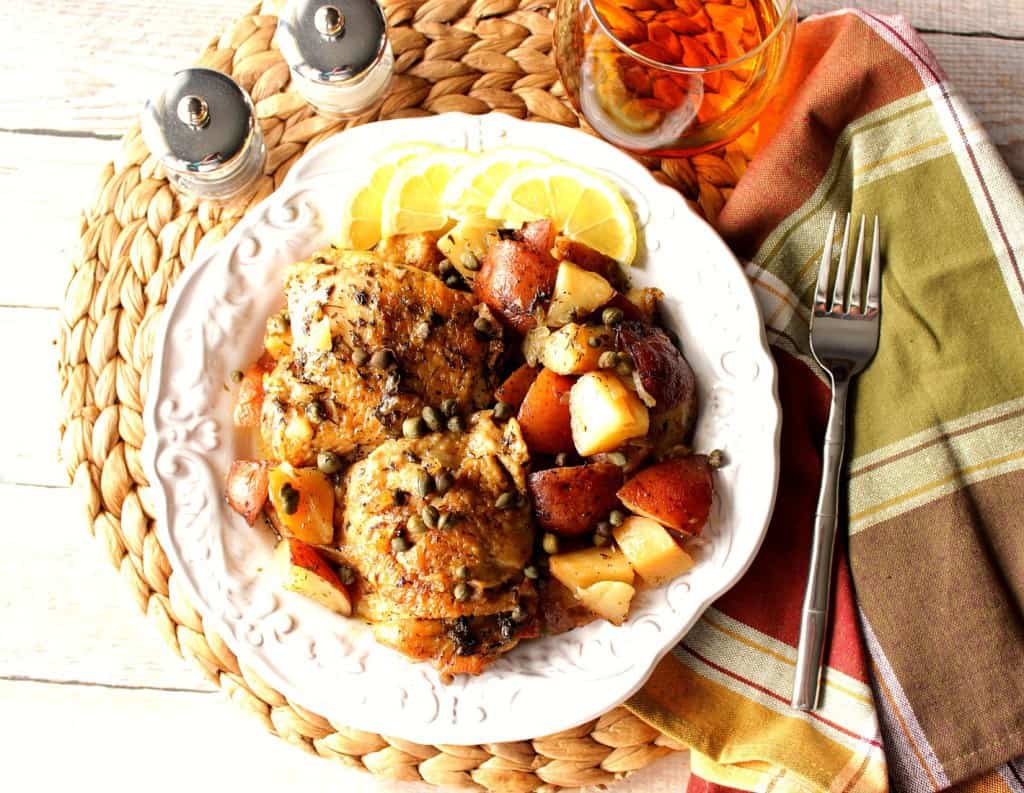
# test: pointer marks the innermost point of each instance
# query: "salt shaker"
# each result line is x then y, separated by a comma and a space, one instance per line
338, 53
203, 130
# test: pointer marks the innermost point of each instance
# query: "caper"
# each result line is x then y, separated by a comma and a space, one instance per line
316, 412
608, 359
415, 526
413, 427
507, 500
462, 572
484, 326
346, 574
563, 459
424, 483
422, 331
612, 316
618, 458
603, 527
601, 540
454, 281
624, 367
449, 406
469, 261
329, 463
399, 544
443, 482
518, 614
432, 418
382, 359
549, 543
456, 424
360, 357
399, 498
716, 459
503, 411
616, 517
289, 499
595, 341
462, 592
445, 268
444, 520
531, 572
429, 515
237, 376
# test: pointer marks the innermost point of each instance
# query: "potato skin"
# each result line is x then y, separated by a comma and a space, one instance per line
677, 493
247, 488
662, 369
513, 281
544, 414
514, 389
587, 258
572, 500
539, 235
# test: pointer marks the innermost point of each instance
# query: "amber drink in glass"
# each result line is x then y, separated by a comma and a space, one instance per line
672, 77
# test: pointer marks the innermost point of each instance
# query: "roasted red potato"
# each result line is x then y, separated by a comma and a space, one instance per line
247, 488
249, 402
587, 258
676, 493
303, 570
663, 376
514, 281
629, 309
572, 500
514, 389
540, 236
544, 414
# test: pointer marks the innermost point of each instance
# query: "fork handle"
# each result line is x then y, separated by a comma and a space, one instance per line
814, 615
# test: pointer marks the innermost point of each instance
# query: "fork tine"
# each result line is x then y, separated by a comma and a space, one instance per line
874, 273
821, 293
839, 295
858, 270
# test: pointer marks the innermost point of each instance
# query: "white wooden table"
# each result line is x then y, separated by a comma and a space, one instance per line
88, 693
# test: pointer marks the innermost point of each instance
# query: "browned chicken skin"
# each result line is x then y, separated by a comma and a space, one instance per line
344, 307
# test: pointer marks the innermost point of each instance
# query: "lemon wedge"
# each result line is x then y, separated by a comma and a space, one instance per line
471, 189
360, 225
413, 201
583, 205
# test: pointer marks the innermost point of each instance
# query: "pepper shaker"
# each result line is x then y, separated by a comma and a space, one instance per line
338, 53
203, 130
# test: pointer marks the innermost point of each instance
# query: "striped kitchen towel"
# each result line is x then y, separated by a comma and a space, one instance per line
924, 688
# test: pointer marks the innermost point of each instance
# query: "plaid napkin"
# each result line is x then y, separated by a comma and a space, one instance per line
924, 688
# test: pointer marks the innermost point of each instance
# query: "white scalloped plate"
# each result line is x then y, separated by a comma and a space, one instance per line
331, 665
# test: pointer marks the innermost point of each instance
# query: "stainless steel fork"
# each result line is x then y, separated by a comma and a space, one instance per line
843, 340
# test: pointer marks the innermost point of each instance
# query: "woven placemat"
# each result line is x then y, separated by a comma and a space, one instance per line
136, 238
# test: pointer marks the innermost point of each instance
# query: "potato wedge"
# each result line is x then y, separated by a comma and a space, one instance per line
582, 568
514, 389
572, 500
661, 373
565, 249
676, 493
247, 488
466, 244
646, 300
514, 281
544, 414
604, 413
656, 557
303, 570
577, 292
312, 519
540, 236
576, 349
608, 599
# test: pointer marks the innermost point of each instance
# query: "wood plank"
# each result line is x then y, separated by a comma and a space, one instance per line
998, 17
28, 423
168, 742
67, 616
46, 181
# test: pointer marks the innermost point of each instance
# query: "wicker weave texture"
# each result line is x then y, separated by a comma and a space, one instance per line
137, 236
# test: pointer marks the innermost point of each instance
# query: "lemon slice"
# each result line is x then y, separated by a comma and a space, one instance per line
360, 225
583, 205
471, 189
413, 201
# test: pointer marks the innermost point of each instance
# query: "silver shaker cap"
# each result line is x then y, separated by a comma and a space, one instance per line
200, 122
331, 41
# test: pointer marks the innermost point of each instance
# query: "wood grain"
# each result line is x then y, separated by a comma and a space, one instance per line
998, 17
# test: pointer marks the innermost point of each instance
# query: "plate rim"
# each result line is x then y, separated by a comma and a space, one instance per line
290, 186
